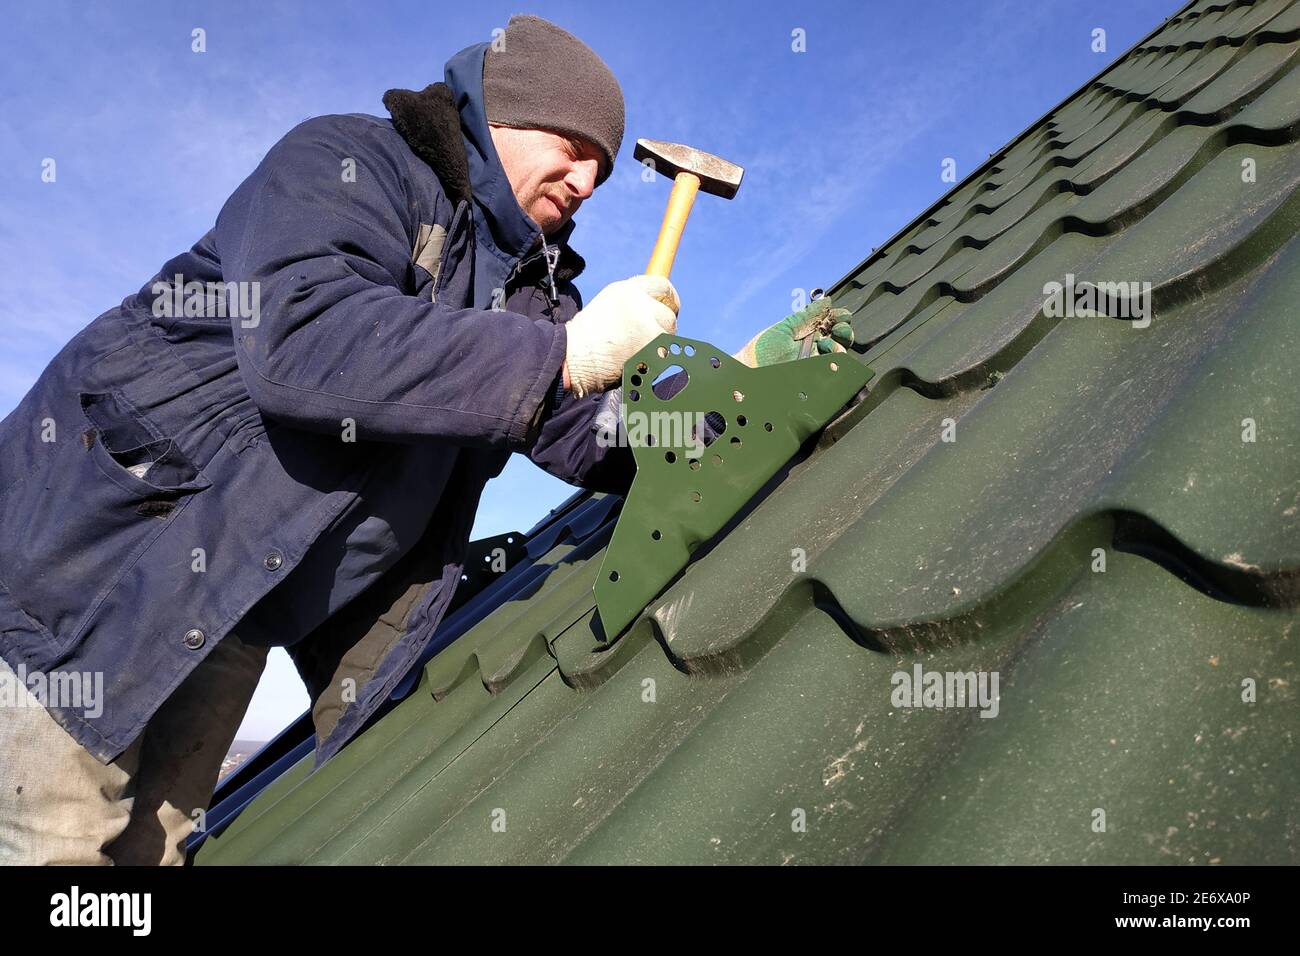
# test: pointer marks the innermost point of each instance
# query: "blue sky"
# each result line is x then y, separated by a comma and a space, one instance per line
842, 145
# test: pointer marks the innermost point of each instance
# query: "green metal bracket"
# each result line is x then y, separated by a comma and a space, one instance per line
683, 492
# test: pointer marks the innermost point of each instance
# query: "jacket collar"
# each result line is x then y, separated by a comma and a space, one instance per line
446, 126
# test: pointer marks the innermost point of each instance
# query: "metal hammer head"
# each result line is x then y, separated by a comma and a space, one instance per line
717, 176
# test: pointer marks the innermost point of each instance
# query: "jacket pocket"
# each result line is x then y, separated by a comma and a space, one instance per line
104, 496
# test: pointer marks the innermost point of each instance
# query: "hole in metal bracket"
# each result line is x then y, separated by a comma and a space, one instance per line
707, 440
660, 384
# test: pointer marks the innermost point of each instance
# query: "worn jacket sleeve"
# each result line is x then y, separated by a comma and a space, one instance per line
338, 336
578, 438
578, 443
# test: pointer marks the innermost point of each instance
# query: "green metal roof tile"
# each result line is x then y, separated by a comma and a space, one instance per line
1152, 731
1239, 20
1200, 8
1268, 14
1087, 448
1277, 109
498, 647
907, 337
1118, 115
443, 782
998, 454
1015, 187
1235, 502
955, 202
1207, 65
1122, 74
1284, 24
1010, 164
1079, 117
1006, 206
1120, 149
1211, 218
715, 770
1009, 252
1207, 28
1133, 188
585, 661
912, 268
1166, 68
922, 242
882, 313
1256, 67
1171, 36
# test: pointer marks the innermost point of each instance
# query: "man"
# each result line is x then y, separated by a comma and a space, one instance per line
303, 407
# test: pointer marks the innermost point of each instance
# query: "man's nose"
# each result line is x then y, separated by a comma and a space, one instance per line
582, 179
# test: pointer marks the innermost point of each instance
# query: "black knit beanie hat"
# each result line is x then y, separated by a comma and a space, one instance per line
537, 76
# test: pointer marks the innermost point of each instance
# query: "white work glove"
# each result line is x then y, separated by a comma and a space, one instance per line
622, 318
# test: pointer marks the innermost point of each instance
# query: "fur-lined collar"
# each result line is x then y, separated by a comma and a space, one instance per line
430, 123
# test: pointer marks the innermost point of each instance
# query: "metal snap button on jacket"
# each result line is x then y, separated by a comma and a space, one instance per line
194, 638
273, 560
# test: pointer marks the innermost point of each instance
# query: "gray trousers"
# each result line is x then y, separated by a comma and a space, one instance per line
60, 805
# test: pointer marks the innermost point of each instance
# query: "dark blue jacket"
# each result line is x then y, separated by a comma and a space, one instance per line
377, 247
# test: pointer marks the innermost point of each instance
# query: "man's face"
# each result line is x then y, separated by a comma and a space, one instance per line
550, 173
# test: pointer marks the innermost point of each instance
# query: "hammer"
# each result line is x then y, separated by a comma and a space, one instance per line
690, 170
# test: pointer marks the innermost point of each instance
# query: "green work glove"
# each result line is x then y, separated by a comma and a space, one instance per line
784, 341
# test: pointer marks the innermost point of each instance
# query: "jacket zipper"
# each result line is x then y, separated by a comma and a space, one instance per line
552, 256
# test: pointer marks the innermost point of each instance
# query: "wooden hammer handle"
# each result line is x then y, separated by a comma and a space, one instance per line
685, 186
